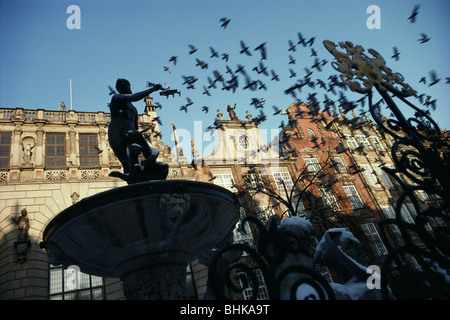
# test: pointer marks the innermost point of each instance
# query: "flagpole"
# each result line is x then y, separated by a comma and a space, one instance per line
70, 84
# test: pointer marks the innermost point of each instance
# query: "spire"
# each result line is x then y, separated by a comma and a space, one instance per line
179, 150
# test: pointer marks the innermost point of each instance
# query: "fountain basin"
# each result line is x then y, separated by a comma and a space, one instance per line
140, 226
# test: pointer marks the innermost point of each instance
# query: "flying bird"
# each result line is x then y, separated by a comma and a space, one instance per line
396, 54
97, 150
213, 53
173, 59
311, 41
274, 75
244, 49
225, 21
291, 59
293, 73
205, 91
414, 14
424, 38
202, 64
262, 49
262, 69
111, 91
157, 119
301, 40
434, 78
192, 49
166, 69
276, 110
291, 46
317, 65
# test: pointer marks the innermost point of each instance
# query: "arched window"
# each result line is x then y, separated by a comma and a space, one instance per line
311, 133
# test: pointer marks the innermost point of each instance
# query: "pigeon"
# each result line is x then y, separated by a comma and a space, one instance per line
413, 15
424, 38
213, 53
224, 22
173, 59
262, 50
291, 59
111, 90
396, 54
192, 49
244, 49
434, 78
291, 46
301, 40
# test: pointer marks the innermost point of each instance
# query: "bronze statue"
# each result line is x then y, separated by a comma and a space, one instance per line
123, 134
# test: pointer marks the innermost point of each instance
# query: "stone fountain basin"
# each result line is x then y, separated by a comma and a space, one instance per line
110, 232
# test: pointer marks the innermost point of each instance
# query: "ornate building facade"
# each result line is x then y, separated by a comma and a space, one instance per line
52, 159
345, 156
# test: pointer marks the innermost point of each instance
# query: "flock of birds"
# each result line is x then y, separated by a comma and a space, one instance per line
256, 78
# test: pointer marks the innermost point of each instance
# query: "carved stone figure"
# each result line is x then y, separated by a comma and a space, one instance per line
232, 113
289, 244
23, 225
28, 144
174, 206
219, 114
341, 251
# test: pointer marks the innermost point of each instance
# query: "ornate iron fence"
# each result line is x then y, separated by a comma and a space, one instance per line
418, 266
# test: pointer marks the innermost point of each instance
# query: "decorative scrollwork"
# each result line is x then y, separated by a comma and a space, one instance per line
422, 257
284, 278
360, 72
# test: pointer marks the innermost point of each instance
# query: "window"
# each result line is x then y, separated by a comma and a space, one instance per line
253, 180
55, 151
190, 284
376, 243
71, 284
5, 149
311, 133
353, 196
312, 164
338, 165
283, 180
370, 176
243, 141
376, 143
328, 198
242, 236
246, 283
364, 142
226, 181
350, 141
384, 176
88, 151
301, 211
389, 213
264, 212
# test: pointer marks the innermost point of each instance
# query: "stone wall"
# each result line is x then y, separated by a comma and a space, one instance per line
29, 279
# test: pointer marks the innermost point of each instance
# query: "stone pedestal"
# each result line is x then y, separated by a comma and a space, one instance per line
144, 233
162, 278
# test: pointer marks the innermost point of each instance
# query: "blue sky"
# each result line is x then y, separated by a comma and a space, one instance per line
134, 39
